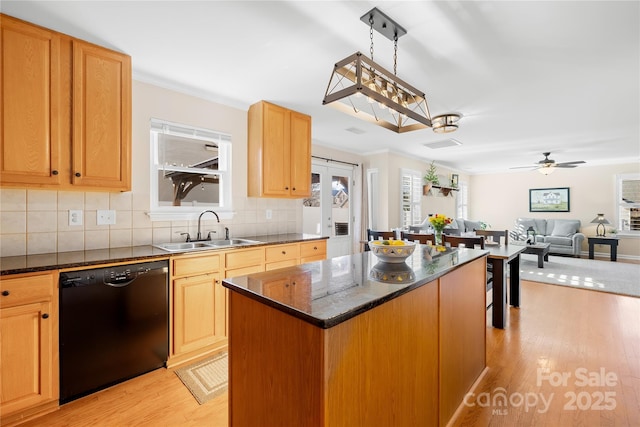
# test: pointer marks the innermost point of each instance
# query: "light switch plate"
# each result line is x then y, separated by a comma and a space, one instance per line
269, 214
107, 217
75, 217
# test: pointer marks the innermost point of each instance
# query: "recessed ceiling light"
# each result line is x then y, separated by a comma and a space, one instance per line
444, 143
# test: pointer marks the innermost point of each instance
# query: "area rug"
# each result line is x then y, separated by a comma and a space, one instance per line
605, 276
207, 378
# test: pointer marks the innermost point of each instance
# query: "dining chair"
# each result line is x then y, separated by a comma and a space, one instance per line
420, 237
496, 234
467, 242
378, 235
471, 242
452, 231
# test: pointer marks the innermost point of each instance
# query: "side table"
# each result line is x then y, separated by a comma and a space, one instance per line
601, 240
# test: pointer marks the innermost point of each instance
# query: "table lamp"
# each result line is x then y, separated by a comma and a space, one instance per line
601, 221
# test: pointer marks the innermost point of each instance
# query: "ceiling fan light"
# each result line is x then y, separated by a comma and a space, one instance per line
546, 170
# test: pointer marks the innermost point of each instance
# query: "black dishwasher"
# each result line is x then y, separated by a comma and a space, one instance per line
114, 325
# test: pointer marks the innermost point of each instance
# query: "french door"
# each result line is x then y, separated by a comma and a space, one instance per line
328, 212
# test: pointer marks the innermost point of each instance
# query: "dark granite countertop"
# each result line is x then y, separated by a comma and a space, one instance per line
79, 259
329, 292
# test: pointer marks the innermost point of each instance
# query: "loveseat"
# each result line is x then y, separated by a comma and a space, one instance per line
563, 235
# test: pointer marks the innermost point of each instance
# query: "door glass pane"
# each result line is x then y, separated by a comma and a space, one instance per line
312, 213
340, 205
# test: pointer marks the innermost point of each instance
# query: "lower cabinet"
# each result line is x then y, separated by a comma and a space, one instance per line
29, 373
199, 307
199, 304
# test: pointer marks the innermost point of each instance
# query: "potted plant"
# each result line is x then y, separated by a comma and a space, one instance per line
431, 178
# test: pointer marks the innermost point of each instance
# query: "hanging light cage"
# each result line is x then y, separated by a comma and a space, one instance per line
362, 88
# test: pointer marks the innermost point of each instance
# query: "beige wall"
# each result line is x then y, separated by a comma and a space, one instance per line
499, 199
389, 166
36, 221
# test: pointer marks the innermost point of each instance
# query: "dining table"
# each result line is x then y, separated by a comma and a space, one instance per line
503, 258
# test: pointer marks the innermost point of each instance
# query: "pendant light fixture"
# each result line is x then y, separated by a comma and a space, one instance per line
362, 88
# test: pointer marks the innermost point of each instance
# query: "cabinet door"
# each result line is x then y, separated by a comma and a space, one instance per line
196, 322
26, 351
29, 119
300, 143
276, 151
101, 117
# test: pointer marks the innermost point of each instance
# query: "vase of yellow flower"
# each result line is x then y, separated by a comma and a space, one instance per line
438, 222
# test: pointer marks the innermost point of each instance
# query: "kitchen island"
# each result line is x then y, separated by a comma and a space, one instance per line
350, 341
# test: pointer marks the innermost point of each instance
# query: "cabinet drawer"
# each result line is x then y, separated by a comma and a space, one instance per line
282, 252
244, 271
25, 289
244, 258
313, 249
280, 264
195, 265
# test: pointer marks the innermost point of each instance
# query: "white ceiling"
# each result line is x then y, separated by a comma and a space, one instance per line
527, 76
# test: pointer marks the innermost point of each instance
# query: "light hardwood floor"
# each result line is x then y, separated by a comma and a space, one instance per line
562, 329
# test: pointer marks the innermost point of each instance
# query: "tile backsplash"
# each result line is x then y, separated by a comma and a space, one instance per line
37, 221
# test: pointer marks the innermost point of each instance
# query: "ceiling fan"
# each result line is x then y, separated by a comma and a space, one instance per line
547, 165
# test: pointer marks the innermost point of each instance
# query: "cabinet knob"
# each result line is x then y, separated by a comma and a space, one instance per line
286, 188
294, 188
5, 293
284, 252
54, 172
45, 316
315, 248
78, 174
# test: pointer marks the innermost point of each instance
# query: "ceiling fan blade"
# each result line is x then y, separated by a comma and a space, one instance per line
577, 162
525, 167
565, 165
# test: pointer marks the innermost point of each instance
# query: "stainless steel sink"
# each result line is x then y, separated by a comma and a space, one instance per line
233, 242
204, 245
186, 246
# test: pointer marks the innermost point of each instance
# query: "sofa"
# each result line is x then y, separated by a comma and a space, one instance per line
458, 226
563, 235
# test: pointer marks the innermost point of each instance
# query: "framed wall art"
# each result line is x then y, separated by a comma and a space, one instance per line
549, 199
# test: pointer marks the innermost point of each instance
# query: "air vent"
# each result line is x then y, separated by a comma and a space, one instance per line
442, 143
357, 131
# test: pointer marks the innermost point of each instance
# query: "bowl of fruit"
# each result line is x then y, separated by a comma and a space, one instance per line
393, 251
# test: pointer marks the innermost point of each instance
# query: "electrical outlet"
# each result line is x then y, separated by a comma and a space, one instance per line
269, 214
106, 217
75, 217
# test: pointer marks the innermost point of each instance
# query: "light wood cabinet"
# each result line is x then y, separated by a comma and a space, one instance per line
29, 372
199, 304
66, 111
315, 250
279, 152
199, 308
279, 256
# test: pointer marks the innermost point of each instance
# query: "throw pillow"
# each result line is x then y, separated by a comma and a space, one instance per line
563, 229
472, 225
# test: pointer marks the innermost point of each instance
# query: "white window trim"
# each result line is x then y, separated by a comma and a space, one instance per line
416, 205
178, 213
618, 204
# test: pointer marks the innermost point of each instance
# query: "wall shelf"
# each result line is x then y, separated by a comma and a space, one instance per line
445, 191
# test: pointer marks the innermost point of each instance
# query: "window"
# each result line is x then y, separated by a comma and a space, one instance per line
190, 171
411, 191
462, 201
628, 204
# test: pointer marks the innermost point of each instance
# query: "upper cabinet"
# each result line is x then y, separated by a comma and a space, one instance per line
66, 111
279, 152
